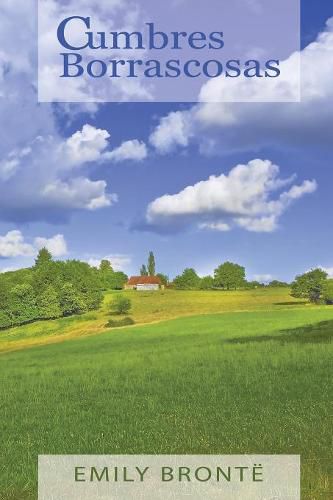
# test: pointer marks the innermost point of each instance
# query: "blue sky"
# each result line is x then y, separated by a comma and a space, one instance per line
100, 207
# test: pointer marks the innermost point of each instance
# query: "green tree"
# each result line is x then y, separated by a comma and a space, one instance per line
85, 279
106, 273
43, 257
118, 280
206, 283
23, 305
309, 285
328, 292
120, 305
229, 276
71, 301
164, 278
49, 304
45, 274
151, 264
188, 280
143, 270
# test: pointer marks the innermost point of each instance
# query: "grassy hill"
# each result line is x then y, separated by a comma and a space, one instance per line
253, 377
148, 307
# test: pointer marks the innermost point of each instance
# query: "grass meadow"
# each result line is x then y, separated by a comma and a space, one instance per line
238, 372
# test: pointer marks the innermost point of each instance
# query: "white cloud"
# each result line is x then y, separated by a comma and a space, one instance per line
233, 126
56, 245
172, 131
85, 145
29, 191
79, 193
119, 262
129, 150
44, 185
13, 244
243, 198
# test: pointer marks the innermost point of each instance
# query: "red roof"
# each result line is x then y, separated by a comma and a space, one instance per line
144, 280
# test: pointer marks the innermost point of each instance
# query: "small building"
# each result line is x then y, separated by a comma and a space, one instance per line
144, 283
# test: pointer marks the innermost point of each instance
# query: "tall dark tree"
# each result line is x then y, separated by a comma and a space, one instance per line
143, 270
151, 264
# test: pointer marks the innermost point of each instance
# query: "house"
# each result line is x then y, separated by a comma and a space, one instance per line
144, 283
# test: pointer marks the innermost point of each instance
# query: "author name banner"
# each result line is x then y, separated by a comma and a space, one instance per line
175, 51
163, 477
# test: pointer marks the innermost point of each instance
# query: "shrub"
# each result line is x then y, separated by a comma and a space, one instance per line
121, 322
120, 305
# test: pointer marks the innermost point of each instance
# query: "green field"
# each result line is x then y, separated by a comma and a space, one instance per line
238, 372
148, 308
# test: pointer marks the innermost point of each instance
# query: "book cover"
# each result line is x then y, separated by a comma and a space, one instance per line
166, 266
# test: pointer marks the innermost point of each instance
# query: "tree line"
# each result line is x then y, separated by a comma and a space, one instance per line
54, 289
227, 276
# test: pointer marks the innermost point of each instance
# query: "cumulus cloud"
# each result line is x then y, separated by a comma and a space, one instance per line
232, 126
43, 179
243, 198
56, 245
13, 244
129, 150
85, 145
173, 130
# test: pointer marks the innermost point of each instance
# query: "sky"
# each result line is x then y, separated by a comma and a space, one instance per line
198, 184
